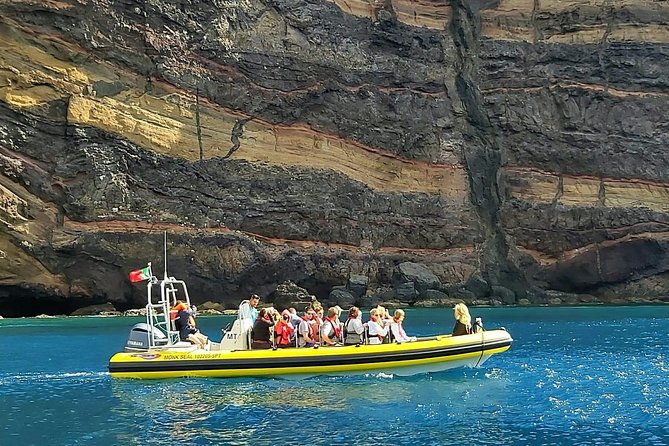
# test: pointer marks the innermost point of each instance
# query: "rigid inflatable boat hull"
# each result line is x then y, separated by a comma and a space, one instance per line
441, 353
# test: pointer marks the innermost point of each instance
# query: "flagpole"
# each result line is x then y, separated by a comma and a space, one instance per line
165, 252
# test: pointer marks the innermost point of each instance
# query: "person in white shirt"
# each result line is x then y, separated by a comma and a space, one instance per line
397, 330
248, 313
331, 328
308, 329
353, 327
377, 328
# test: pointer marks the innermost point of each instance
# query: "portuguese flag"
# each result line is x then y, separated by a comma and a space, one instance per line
140, 274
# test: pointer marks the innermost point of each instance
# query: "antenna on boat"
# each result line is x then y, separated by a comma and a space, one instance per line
165, 252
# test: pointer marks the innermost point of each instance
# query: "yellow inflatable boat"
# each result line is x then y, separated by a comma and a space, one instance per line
153, 351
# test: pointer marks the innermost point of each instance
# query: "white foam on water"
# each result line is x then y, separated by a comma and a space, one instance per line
41, 377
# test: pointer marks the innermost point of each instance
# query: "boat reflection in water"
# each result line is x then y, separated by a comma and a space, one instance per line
243, 410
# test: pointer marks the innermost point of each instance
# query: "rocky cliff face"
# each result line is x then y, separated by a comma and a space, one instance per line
515, 150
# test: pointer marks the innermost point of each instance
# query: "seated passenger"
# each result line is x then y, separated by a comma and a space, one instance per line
384, 314
306, 336
316, 323
318, 320
184, 322
353, 327
262, 330
295, 320
174, 311
331, 328
284, 331
376, 327
463, 321
399, 335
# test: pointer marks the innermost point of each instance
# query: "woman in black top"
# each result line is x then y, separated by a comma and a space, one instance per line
463, 321
261, 332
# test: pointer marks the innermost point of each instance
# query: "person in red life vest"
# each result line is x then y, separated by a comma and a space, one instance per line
377, 327
262, 330
316, 323
397, 330
331, 328
284, 331
307, 329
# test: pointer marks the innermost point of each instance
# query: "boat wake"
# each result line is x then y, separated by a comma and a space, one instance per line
32, 378
381, 375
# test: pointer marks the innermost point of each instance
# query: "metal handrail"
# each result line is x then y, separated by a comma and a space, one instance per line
158, 313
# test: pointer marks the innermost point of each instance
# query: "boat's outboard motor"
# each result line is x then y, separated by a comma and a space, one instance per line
138, 339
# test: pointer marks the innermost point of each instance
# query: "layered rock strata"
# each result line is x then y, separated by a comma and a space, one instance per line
516, 149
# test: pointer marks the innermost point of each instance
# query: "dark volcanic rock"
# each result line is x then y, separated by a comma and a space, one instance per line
95, 310
289, 294
357, 285
342, 298
477, 285
461, 294
490, 151
435, 298
420, 275
507, 296
406, 292
611, 263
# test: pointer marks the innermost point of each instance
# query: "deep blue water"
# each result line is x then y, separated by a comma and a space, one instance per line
574, 376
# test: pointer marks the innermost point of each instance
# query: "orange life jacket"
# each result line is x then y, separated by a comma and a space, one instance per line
175, 310
283, 331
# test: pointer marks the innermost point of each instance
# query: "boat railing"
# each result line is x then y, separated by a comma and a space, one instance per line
159, 310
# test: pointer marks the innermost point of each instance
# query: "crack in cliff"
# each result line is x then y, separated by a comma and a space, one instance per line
559, 192
598, 261
482, 157
601, 196
536, 33
237, 131
390, 8
603, 44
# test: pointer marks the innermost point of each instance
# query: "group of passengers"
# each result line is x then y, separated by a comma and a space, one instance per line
314, 328
270, 328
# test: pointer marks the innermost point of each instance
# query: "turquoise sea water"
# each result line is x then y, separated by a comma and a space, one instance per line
574, 376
